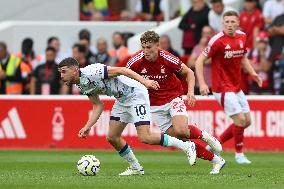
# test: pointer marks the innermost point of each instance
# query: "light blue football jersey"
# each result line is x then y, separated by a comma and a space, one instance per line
94, 80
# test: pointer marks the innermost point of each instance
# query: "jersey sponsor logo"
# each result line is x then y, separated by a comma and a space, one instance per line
227, 46
145, 76
234, 54
160, 77
154, 77
12, 127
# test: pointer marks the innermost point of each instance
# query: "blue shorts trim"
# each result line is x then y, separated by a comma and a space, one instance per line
105, 72
114, 118
142, 123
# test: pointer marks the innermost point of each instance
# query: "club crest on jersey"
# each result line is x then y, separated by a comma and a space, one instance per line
144, 71
163, 69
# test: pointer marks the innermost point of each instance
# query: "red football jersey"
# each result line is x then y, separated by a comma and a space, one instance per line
226, 53
162, 71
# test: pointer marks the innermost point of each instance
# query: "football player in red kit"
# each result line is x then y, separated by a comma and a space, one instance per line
227, 51
167, 106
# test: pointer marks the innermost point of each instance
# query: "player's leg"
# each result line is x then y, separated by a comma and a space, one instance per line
227, 133
118, 122
234, 108
165, 140
140, 114
179, 117
243, 120
174, 121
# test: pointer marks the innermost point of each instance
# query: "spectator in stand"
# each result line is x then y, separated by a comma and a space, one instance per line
94, 9
166, 44
10, 72
280, 65
90, 57
27, 57
86, 34
54, 43
46, 78
272, 9
207, 33
79, 53
119, 51
276, 33
215, 15
102, 56
259, 58
192, 23
251, 22
125, 16
150, 10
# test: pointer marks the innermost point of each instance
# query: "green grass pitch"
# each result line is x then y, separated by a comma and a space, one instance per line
57, 169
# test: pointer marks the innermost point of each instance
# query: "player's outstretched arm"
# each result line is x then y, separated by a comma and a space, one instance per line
115, 71
251, 71
204, 90
98, 107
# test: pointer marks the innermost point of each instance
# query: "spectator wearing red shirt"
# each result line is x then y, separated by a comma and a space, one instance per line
251, 21
259, 57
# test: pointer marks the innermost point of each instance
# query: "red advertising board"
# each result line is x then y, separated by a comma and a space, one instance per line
54, 121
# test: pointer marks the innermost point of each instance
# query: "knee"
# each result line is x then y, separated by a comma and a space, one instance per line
241, 121
181, 132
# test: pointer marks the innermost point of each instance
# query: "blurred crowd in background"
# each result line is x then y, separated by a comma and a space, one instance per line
263, 21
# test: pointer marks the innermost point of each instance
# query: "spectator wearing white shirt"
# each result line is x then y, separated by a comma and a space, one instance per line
271, 10
216, 13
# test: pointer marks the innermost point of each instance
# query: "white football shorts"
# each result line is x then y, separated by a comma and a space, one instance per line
233, 103
162, 115
138, 112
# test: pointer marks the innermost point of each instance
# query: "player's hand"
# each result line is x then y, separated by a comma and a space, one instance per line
191, 99
83, 132
204, 90
151, 84
257, 79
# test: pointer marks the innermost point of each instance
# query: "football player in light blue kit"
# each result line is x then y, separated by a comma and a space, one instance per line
131, 106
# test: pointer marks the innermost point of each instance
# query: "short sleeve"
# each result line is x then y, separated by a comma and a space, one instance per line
210, 49
96, 71
131, 64
172, 62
